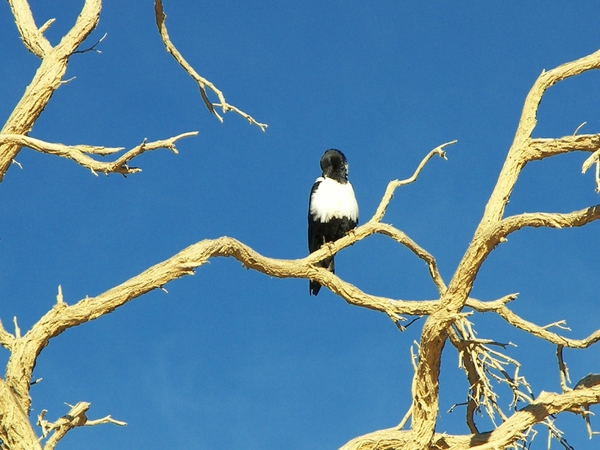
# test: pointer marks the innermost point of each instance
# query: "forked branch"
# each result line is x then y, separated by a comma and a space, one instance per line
79, 153
202, 82
76, 417
32, 36
503, 436
49, 75
489, 233
500, 308
25, 349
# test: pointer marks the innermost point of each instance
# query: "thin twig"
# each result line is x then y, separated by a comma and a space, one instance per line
93, 47
202, 82
393, 185
562, 369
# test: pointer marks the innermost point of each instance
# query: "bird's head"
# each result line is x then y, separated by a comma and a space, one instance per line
334, 165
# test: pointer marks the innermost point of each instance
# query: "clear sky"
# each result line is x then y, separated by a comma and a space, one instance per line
230, 358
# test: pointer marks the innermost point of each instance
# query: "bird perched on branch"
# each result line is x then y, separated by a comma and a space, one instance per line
332, 208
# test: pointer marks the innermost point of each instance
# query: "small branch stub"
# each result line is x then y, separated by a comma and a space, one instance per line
59, 297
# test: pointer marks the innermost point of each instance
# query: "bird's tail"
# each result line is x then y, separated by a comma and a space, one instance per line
329, 264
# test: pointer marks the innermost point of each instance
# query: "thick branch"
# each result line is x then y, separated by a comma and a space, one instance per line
76, 417
79, 153
425, 405
538, 149
61, 317
49, 75
26, 349
15, 430
32, 36
528, 119
434, 332
506, 434
545, 405
519, 154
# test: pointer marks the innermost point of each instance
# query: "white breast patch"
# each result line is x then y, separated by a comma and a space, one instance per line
333, 199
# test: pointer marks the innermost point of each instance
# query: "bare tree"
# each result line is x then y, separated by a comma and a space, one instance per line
447, 319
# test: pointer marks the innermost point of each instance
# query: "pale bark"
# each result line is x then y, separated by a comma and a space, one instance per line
446, 316
49, 75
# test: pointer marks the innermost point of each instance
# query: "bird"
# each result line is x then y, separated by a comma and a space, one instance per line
332, 208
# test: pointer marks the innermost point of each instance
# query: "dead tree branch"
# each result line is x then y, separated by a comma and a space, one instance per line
49, 75
500, 308
393, 185
15, 429
446, 319
202, 82
76, 417
488, 235
538, 149
79, 153
26, 349
503, 436
483, 365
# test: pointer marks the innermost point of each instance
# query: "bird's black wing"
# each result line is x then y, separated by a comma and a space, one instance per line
315, 238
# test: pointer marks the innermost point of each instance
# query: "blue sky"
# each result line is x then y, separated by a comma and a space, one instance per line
230, 358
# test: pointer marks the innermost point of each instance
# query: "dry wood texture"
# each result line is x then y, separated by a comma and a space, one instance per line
482, 360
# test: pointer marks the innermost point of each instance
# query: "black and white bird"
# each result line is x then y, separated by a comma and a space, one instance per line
332, 207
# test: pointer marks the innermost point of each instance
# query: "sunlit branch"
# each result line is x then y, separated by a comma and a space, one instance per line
203, 83
529, 327
32, 36
506, 434
6, 339
63, 316
392, 185
76, 417
483, 365
48, 77
546, 80
544, 148
488, 235
79, 153
549, 220
545, 405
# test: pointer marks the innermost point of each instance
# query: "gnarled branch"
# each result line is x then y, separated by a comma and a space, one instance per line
79, 153
504, 435
203, 83
76, 417
25, 349
49, 75
487, 235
